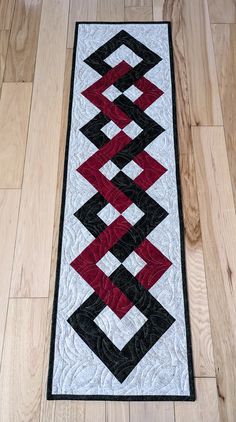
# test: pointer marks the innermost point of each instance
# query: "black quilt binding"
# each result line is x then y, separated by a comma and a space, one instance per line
191, 396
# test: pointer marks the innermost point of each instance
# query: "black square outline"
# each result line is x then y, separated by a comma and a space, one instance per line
158, 322
96, 59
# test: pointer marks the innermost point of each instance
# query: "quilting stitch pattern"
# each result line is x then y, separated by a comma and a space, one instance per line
119, 220
120, 291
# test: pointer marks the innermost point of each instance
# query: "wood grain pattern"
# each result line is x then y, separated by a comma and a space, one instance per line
6, 13
151, 411
159, 9
172, 11
110, 10
203, 88
66, 410
117, 411
14, 117
4, 38
31, 267
224, 37
9, 204
218, 221
80, 10
200, 324
199, 313
205, 409
95, 411
222, 11
138, 3
138, 13
23, 41
197, 291
22, 364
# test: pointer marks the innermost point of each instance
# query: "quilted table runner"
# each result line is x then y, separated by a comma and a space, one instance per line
120, 327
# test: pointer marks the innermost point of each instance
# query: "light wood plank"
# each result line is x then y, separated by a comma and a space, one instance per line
68, 411
9, 204
172, 11
224, 37
218, 221
199, 313
205, 408
167, 10
23, 41
80, 10
200, 325
196, 280
138, 13
95, 411
158, 9
14, 117
197, 291
151, 411
203, 89
56, 410
4, 38
222, 11
22, 364
138, 3
31, 267
6, 13
110, 10
117, 411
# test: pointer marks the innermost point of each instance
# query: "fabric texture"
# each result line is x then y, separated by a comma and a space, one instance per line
120, 320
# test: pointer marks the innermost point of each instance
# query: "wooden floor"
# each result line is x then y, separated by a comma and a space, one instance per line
36, 38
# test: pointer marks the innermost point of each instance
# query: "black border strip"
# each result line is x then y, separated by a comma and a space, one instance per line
192, 396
